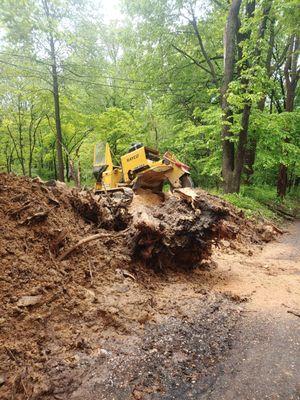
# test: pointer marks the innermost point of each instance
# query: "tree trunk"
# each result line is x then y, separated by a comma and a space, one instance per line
203, 51
250, 154
78, 173
67, 164
60, 160
55, 89
54, 164
231, 30
241, 148
282, 181
292, 178
243, 134
291, 75
233, 159
21, 142
8, 157
15, 147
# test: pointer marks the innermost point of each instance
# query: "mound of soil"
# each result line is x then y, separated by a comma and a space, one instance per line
76, 268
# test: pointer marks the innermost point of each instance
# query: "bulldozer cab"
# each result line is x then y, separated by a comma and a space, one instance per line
99, 154
107, 175
102, 160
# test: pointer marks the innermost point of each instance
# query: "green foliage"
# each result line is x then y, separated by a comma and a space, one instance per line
279, 142
115, 126
154, 78
199, 146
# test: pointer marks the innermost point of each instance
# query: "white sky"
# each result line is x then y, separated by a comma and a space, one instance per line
111, 10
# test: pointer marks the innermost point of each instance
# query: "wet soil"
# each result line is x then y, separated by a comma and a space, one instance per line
104, 323
168, 359
240, 341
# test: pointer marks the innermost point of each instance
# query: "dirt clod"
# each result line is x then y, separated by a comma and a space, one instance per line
26, 301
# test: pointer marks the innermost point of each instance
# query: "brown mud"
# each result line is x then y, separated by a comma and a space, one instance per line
143, 312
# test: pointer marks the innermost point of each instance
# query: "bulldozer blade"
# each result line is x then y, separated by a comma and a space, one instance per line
150, 179
117, 192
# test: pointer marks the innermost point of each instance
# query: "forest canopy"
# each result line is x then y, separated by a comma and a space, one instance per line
214, 81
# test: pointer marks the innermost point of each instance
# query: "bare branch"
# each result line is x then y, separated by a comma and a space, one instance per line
196, 62
202, 48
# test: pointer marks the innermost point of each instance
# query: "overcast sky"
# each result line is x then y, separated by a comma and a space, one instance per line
111, 10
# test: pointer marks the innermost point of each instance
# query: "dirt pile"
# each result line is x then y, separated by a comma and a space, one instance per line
77, 267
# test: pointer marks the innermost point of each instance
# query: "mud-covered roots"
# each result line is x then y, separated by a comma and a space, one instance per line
105, 212
161, 231
177, 233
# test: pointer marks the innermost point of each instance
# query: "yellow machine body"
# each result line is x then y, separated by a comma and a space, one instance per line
109, 175
140, 167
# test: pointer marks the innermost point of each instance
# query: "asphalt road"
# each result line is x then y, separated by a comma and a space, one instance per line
264, 362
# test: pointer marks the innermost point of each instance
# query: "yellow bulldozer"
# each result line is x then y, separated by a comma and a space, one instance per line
141, 167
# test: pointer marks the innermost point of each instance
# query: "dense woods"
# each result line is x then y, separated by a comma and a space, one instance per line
214, 81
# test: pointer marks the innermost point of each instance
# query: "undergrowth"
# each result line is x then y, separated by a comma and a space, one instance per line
262, 201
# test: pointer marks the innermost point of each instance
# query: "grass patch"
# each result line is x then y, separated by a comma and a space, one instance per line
262, 201
251, 207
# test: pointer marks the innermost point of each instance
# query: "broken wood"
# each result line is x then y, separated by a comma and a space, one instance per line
285, 214
23, 207
78, 244
127, 274
37, 217
187, 194
297, 314
91, 272
276, 229
53, 200
89, 239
